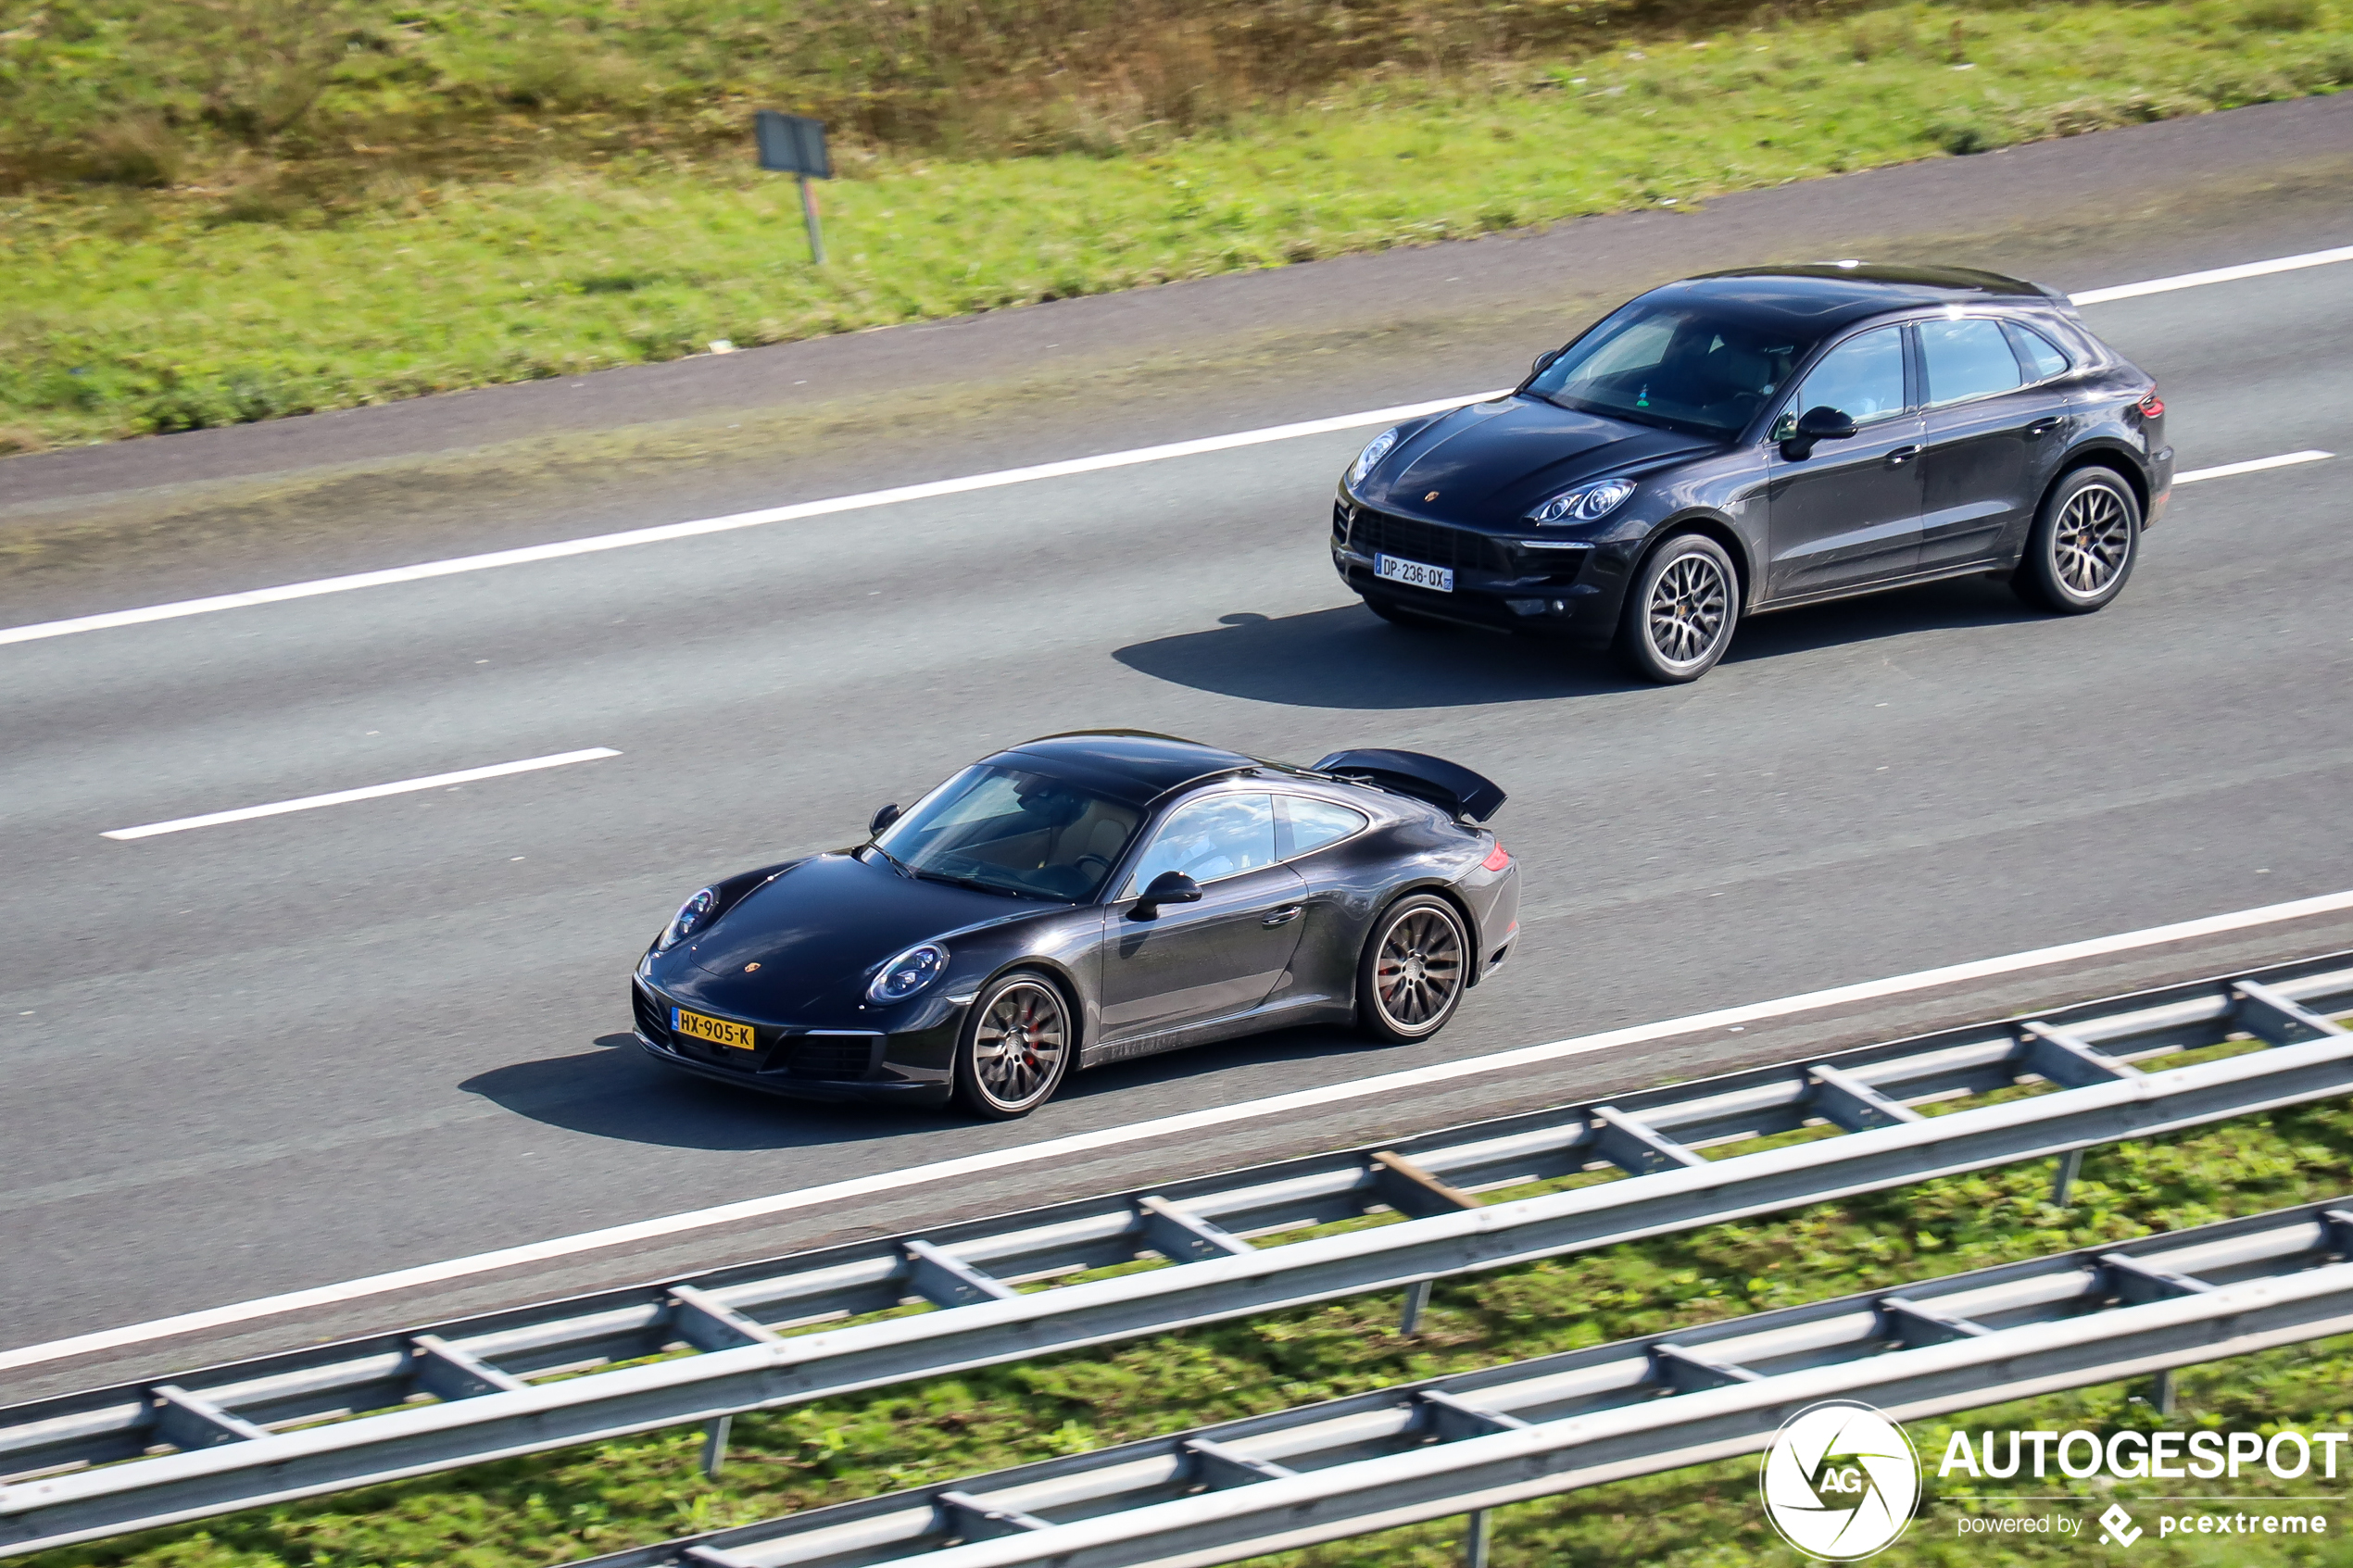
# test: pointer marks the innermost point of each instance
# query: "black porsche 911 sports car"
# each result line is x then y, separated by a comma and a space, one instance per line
1755, 439
1084, 898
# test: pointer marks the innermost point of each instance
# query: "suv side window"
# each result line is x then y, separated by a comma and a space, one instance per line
1967, 356
2037, 353
1218, 835
1862, 378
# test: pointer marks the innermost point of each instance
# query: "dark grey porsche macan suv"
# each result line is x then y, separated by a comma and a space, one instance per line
1755, 439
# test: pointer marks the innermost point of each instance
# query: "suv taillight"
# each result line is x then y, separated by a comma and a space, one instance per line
2152, 406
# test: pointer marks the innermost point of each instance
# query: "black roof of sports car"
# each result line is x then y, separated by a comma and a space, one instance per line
1807, 301
1129, 765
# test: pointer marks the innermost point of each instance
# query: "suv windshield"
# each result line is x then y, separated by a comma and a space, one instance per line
1006, 830
1679, 366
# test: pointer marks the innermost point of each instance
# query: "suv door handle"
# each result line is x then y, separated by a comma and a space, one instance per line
1283, 916
1901, 456
2045, 426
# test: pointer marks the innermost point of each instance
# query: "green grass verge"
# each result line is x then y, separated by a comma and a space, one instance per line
556, 1508
347, 283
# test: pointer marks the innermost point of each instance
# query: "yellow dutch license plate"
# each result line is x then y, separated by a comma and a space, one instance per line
718, 1031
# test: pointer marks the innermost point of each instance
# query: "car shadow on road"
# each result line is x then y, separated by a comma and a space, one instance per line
1346, 657
615, 1092
1956, 602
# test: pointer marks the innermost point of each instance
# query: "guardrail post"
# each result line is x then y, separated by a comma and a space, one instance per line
1476, 1539
2161, 1393
1416, 1303
2070, 1165
714, 1444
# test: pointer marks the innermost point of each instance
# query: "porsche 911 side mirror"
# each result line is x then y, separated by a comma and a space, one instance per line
1544, 361
1168, 887
1824, 423
883, 819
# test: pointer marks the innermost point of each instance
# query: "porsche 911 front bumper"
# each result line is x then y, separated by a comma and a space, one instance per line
910, 1066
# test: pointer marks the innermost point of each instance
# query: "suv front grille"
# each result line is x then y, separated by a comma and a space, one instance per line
1432, 544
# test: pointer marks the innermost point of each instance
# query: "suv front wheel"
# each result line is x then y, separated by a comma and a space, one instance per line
1680, 611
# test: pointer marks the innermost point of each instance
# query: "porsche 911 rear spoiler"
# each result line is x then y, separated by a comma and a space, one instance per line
1450, 787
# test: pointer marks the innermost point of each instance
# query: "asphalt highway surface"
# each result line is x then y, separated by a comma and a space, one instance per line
261, 1055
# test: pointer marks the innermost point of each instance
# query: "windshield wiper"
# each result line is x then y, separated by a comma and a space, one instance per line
903, 867
974, 883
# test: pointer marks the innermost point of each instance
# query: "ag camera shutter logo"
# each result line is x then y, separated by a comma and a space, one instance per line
1840, 1481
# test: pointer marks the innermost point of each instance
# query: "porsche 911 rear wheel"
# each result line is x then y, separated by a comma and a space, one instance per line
1412, 974
1016, 1046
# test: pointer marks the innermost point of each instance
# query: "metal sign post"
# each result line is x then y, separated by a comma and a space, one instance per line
791, 145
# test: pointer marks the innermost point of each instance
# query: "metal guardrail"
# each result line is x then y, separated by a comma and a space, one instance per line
85, 1464
1455, 1445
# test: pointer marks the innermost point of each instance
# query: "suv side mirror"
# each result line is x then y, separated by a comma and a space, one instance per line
1168, 887
883, 819
1544, 361
1824, 423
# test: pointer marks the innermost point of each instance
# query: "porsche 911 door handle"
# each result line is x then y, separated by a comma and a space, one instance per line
1901, 456
1283, 916
2043, 427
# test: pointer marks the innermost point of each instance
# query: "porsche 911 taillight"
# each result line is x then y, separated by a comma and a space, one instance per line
1497, 857
2152, 406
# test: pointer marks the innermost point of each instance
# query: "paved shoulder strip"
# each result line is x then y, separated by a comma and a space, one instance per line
937, 488
1050, 1149
251, 1434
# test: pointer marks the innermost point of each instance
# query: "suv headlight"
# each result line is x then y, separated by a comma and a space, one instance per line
1585, 503
909, 973
1375, 450
692, 916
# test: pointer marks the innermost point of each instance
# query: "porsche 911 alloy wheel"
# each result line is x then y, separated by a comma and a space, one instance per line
1680, 611
1414, 970
1016, 1048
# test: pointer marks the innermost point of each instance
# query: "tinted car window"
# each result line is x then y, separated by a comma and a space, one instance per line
1217, 837
1314, 823
2041, 356
1010, 831
1965, 359
1862, 378
1681, 366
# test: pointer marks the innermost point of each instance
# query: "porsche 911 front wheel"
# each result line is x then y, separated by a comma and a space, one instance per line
1413, 970
1017, 1045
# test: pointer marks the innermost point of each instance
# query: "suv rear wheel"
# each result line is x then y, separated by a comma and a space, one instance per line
2084, 541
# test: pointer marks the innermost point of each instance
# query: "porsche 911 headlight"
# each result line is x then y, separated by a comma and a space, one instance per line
1585, 503
692, 916
1375, 450
909, 973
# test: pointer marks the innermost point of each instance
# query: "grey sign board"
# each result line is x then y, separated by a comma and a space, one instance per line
791, 145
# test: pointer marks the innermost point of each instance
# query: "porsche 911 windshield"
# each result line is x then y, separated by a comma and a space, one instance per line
1685, 366
1005, 830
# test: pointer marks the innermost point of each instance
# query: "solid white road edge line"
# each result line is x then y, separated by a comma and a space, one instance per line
309, 802
2215, 275
2255, 465
1191, 1120
563, 547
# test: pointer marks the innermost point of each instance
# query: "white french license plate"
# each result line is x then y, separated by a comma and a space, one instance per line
1397, 570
